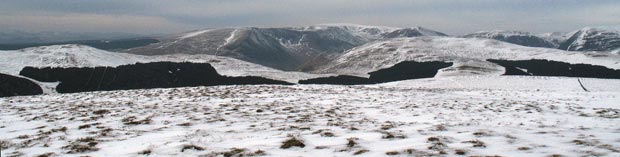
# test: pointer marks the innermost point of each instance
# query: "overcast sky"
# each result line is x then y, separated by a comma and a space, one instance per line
169, 16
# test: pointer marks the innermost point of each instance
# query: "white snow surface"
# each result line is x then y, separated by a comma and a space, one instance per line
463, 51
365, 31
193, 34
493, 33
11, 62
351, 26
61, 56
590, 32
506, 116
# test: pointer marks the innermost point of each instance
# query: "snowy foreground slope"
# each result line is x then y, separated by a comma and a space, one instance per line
506, 116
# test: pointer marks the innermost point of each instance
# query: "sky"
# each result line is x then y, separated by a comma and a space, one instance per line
454, 17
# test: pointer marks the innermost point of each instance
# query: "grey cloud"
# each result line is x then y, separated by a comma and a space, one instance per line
451, 16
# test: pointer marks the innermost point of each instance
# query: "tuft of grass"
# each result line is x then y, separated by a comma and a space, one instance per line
15, 154
133, 120
524, 148
321, 147
101, 112
440, 127
83, 126
82, 145
480, 134
23, 137
237, 152
392, 153
581, 142
438, 146
185, 124
50, 154
432, 139
361, 152
387, 125
191, 146
145, 152
62, 129
292, 142
234, 152
351, 142
4, 144
477, 143
327, 134
460, 152
389, 135
258, 153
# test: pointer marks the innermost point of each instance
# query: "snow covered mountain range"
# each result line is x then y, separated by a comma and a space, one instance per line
292, 48
332, 49
299, 53
307, 48
466, 106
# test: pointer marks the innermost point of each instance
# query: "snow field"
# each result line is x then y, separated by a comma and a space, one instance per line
427, 117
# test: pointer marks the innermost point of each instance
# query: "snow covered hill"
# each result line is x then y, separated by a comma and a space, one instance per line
515, 37
470, 116
83, 56
411, 32
62, 56
593, 39
288, 48
468, 54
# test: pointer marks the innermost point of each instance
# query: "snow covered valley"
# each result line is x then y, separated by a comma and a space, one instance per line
451, 116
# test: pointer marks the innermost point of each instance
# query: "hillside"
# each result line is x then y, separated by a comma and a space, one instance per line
85, 56
287, 48
468, 54
593, 39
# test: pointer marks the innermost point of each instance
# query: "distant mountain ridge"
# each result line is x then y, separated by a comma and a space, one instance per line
515, 37
593, 39
22, 37
287, 48
109, 45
